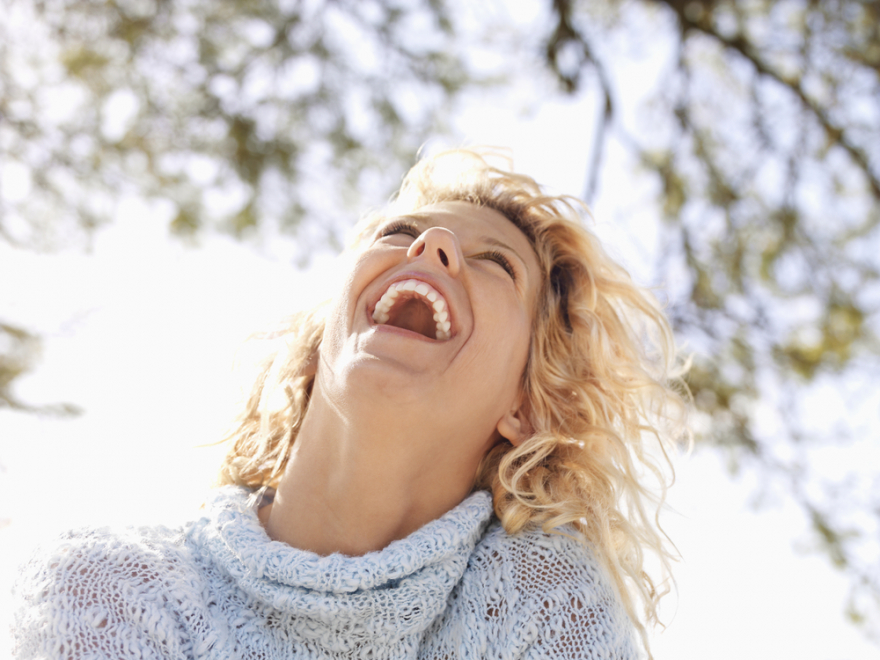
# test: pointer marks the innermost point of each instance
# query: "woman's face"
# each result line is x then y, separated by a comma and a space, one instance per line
436, 313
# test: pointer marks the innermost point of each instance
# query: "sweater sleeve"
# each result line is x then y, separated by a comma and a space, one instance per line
100, 594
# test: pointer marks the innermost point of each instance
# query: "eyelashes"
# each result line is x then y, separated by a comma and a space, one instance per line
400, 227
500, 259
409, 229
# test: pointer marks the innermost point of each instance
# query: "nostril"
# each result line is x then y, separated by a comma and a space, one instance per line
420, 249
443, 258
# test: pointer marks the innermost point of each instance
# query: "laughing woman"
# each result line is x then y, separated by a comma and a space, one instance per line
444, 462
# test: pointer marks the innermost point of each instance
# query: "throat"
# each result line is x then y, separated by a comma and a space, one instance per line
353, 485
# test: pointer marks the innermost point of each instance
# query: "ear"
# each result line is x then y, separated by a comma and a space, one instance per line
514, 426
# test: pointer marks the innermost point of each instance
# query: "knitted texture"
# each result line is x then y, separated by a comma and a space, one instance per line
458, 588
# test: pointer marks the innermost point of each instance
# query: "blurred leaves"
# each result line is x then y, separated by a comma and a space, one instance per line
19, 347
225, 110
19, 350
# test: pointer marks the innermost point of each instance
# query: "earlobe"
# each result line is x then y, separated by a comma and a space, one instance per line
514, 427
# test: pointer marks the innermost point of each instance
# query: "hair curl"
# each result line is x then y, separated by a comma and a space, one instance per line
602, 400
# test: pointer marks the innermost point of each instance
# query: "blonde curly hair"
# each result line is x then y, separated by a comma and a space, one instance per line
601, 397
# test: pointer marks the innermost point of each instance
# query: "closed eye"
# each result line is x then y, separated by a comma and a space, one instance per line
399, 227
500, 259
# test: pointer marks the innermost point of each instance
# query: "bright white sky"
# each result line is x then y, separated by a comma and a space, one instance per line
143, 334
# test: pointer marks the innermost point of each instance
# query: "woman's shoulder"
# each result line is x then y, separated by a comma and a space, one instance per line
545, 593
91, 586
91, 565
129, 552
541, 560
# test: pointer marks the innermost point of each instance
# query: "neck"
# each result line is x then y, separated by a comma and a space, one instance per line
353, 488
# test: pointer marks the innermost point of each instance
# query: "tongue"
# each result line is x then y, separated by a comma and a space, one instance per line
414, 314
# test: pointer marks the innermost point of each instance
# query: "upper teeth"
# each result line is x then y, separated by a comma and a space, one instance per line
426, 291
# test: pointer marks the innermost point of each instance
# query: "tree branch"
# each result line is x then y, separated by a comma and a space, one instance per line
740, 45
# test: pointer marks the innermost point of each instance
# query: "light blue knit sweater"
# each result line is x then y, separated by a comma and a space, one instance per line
458, 588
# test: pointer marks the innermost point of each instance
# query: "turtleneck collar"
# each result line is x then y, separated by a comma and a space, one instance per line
376, 605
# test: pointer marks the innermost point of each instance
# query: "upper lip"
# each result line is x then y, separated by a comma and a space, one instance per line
427, 278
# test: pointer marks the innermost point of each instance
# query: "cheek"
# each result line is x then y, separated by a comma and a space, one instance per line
507, 343
361, 270
518, 345
346, 302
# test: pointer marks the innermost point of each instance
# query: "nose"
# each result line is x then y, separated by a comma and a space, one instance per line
439, 245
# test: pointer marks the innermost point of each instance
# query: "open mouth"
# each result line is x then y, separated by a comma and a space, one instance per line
415, 306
